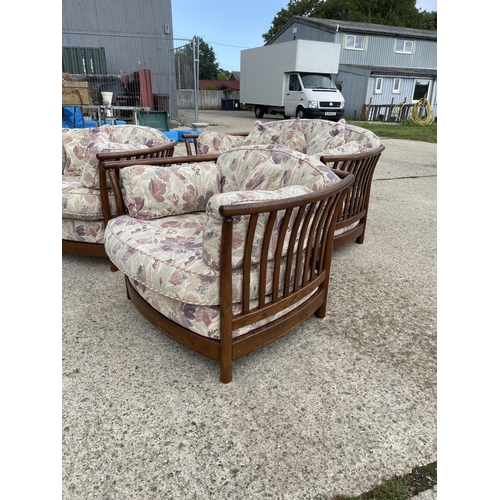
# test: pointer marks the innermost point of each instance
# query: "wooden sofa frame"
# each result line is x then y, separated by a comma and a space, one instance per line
306, 275
357, 200
97, 249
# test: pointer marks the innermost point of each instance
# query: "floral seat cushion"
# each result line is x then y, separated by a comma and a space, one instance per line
81, 202
84, 231
201, 319
177, 257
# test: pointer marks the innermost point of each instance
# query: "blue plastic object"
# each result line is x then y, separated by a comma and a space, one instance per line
172, 135
176, 135
72, 117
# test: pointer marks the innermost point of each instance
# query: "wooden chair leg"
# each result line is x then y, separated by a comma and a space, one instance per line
226, 371
126, 288
321, 312
361, 238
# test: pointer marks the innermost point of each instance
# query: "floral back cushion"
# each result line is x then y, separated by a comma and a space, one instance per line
75, 142
271, 167
217, 142
328, 138
285, 132
90, 170
137, 134
152, 192
365, 137
313, 127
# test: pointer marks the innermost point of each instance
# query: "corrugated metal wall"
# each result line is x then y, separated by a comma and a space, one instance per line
84, 60
380, 49
358, 85
135, 35
354, 90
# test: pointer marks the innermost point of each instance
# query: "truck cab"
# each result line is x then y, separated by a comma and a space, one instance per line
313, 95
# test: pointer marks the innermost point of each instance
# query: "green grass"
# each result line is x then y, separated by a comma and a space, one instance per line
404, 130
401, 487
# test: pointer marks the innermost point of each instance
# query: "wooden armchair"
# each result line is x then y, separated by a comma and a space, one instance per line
83, 150
225, 253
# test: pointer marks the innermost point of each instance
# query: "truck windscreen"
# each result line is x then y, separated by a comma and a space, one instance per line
315, 81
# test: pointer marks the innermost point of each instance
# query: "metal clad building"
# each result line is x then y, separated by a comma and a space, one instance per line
378, 64
133, 35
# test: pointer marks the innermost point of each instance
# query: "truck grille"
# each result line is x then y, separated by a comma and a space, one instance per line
329, 104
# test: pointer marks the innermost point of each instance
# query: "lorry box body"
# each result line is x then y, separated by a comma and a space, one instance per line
292, 78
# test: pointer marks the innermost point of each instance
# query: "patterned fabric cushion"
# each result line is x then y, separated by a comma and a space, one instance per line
247, 167
285, 132
312, 127
217, 142
83, 203
363, 136
310, 136
134, 134
152, 192
87, 231
213, 230
201, 319
165, 255
90, 170
327, 139
349, 148
75, 142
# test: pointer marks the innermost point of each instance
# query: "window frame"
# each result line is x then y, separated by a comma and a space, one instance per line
415, 83
363, 37
404, 45
396, 89
379, 89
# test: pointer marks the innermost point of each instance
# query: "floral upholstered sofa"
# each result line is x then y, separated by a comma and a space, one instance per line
226, 256
82, 149
309, 136
338, 145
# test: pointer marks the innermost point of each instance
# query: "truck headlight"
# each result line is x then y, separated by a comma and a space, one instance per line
312, 104
342, 105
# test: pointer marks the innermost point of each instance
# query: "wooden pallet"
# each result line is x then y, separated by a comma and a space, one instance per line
75, 93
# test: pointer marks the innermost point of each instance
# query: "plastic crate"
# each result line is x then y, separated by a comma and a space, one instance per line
154, 119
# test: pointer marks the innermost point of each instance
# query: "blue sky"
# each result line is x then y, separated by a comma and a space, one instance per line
230, 27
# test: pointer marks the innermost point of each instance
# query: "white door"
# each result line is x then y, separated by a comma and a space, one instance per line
293, 94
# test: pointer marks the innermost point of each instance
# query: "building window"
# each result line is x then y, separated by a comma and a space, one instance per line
378, 85
353, 42
404, 46
421, 89
396, 88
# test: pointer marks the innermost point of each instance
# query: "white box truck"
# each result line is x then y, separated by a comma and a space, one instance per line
292, 79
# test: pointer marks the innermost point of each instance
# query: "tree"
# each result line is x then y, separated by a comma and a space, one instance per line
294, 8
209, 67
387, 12
184, 61
223, 74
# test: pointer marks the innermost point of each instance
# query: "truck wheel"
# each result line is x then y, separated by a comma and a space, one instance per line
259, 111
300, 114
